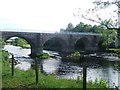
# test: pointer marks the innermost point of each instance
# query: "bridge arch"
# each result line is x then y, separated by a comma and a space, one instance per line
81, 44
55, 43
30, 42
20, 36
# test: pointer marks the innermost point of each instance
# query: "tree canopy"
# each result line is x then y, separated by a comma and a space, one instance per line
81, 27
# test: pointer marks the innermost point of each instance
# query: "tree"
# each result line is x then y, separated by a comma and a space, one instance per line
109, 37
81, 27
69, 27
112, 23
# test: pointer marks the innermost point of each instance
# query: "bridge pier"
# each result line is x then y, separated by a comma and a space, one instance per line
35, 51
67, 50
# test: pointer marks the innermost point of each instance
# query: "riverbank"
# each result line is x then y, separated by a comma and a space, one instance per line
26, 79
114, 51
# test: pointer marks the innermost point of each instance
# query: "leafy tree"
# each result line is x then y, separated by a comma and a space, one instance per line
69, 27
62, 30
81, 27
109, 37
22, 43
97, 29
111, 23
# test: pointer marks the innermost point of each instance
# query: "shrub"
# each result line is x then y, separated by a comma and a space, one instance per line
75, 55
5, 55
43, 55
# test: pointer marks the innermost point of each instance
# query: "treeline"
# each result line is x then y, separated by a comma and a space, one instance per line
81, 27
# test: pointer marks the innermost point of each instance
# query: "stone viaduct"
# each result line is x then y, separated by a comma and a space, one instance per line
67, 40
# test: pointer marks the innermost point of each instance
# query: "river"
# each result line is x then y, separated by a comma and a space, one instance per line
102, 69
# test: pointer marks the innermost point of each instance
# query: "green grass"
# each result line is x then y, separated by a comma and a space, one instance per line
26, 79
27, 46
115, 51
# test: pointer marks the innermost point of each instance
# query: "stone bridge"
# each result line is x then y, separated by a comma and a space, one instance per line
68, 41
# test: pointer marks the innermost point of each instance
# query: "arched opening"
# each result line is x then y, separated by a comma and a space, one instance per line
81, 44
18, 45
17, 41
55, 44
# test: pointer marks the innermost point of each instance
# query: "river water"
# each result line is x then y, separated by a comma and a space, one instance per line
103, 68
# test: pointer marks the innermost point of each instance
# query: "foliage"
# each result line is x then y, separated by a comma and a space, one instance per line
117, 66
5, 55
103, 82
2, 43
108, 20
69, 27
23, 43
81, 27
20, 42
27, 46
43, 55
94, 14
100, 82
109, 37
115, 51
75, 55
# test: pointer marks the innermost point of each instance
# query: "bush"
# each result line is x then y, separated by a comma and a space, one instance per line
43, 55
75, 55
116, 51
5, 55
2, 43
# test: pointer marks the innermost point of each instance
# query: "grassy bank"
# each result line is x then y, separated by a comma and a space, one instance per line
115, 51
27, 46
26, 79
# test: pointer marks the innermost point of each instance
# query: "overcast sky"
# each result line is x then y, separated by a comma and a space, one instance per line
40, 15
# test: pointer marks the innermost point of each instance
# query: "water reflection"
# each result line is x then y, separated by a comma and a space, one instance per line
50, 66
